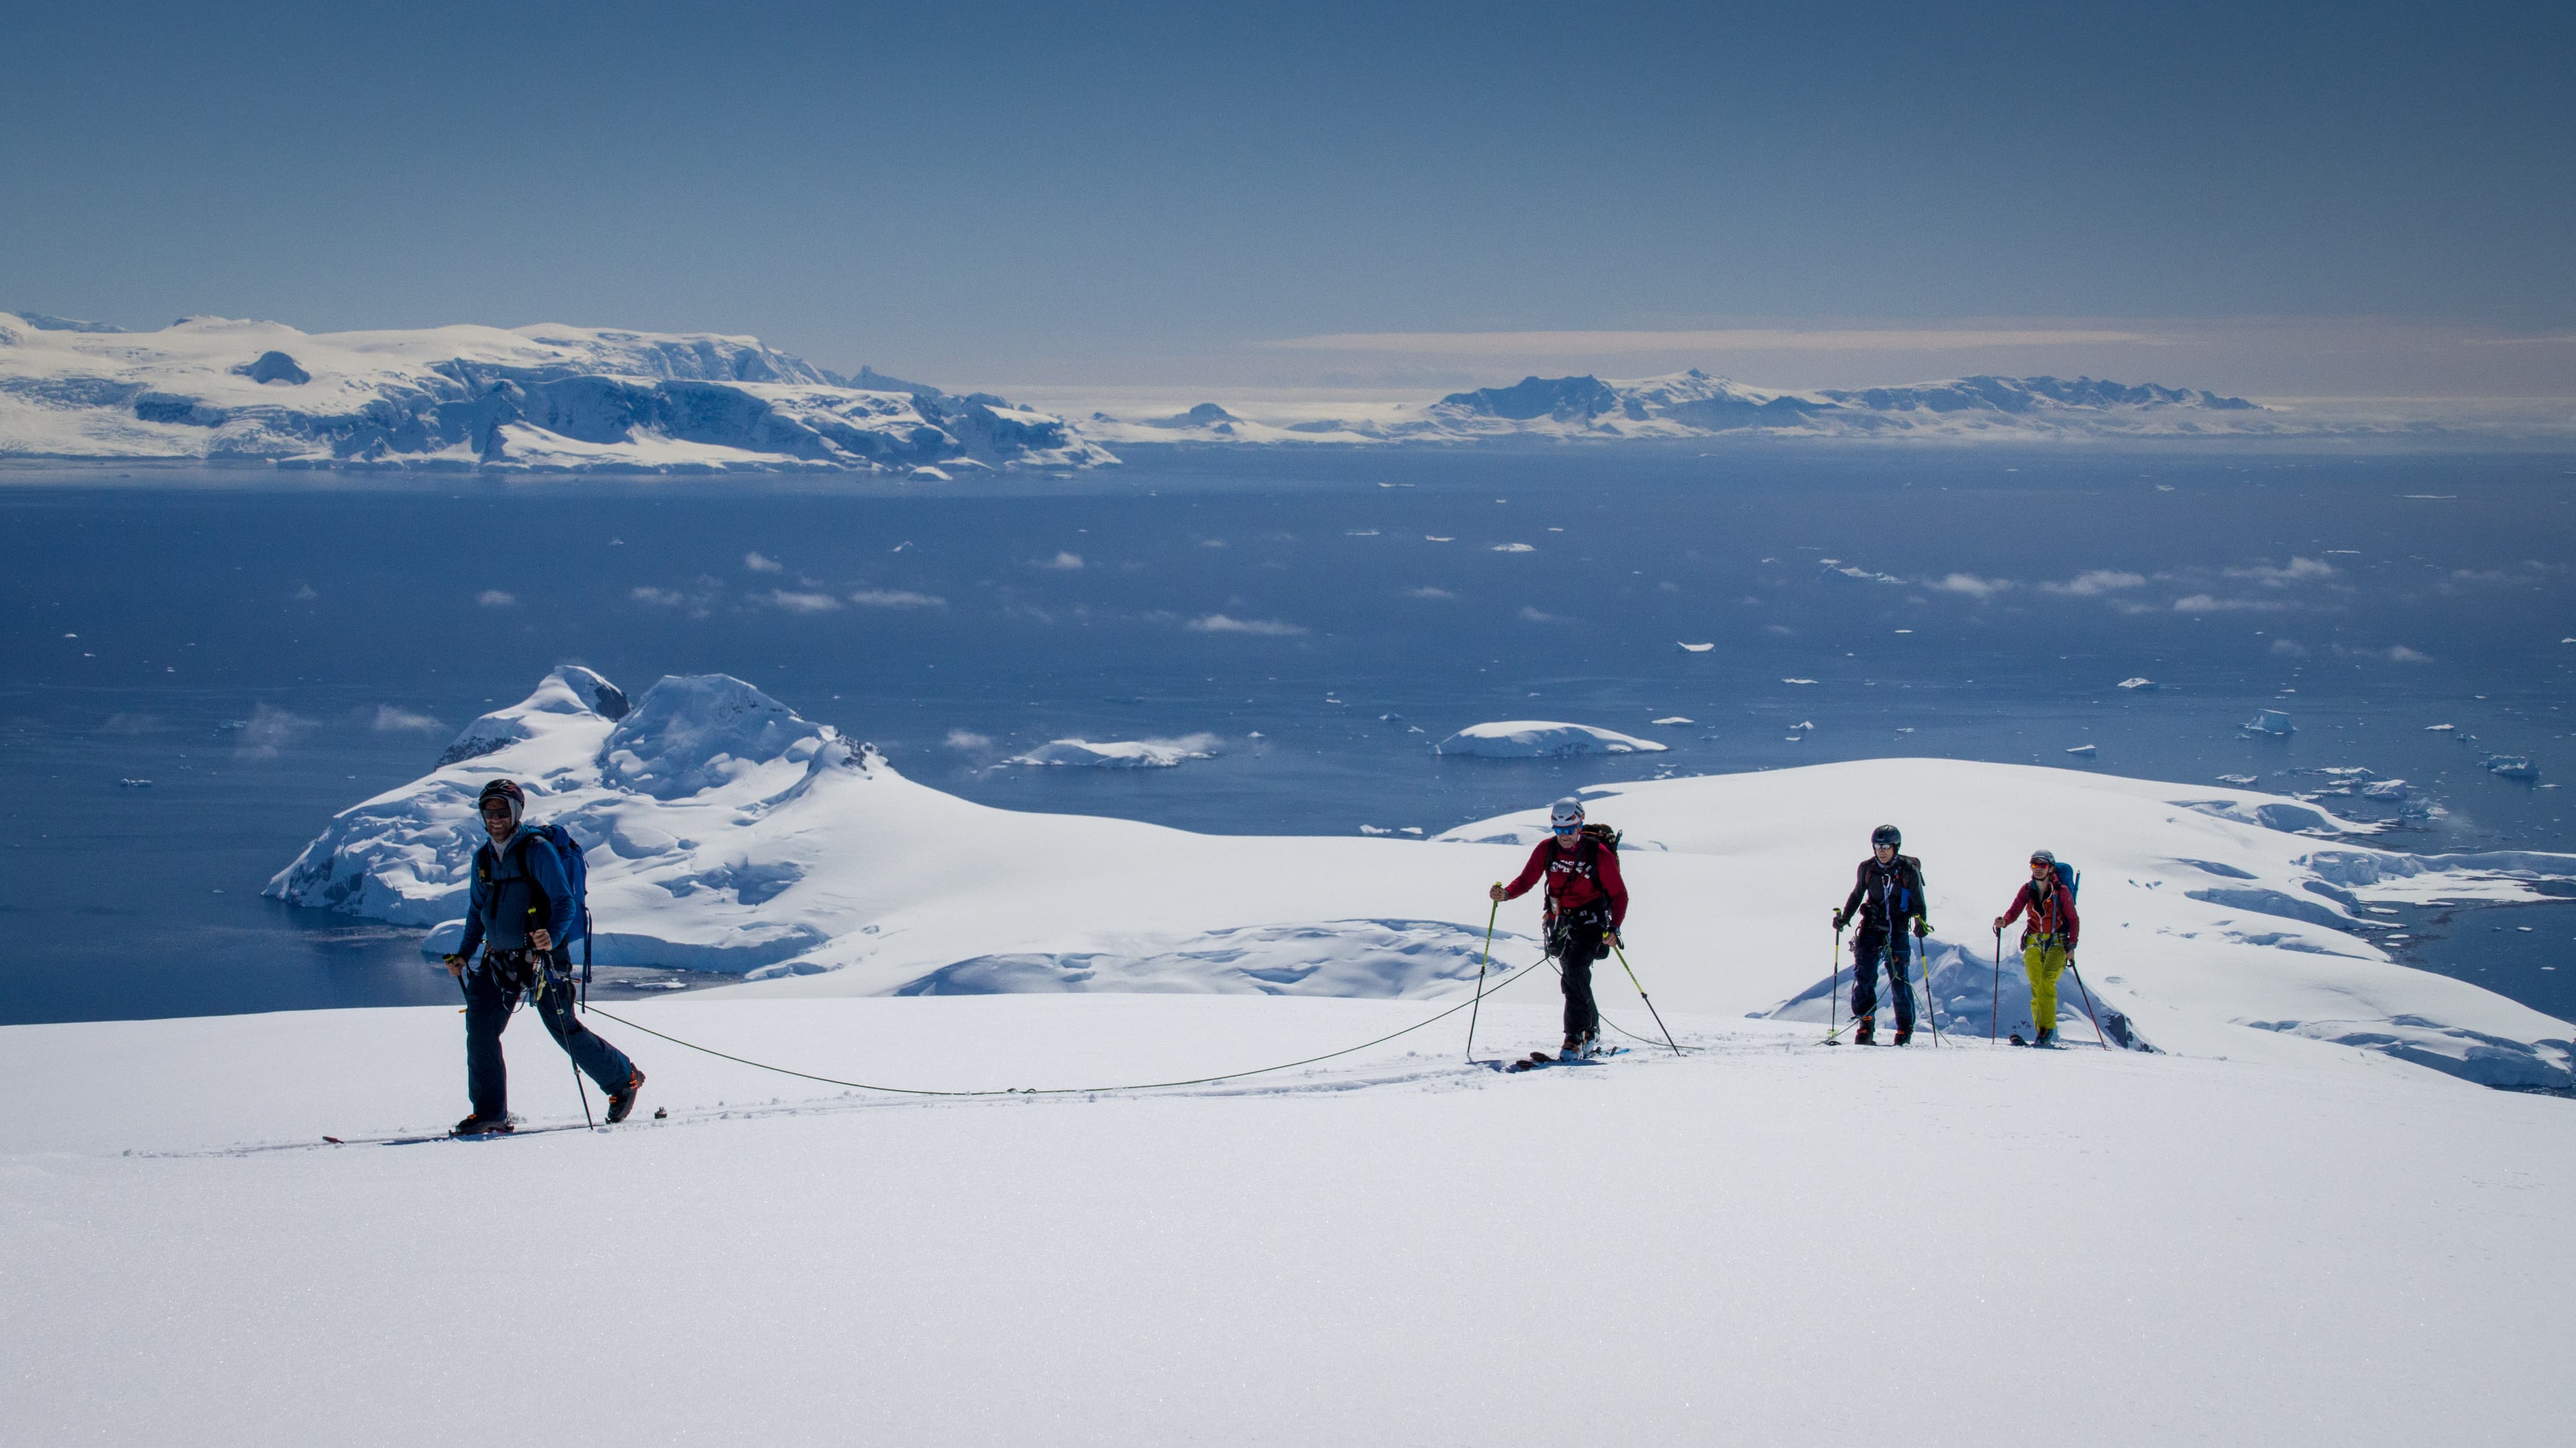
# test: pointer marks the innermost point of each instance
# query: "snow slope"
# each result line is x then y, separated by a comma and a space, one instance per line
1767, 1241
536, 398
726, 833
1694, 404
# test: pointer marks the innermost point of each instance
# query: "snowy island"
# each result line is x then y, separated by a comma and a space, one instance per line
534, 399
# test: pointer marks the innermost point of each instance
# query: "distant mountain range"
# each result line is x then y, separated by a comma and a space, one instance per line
556, 398
1696, 404
544, 398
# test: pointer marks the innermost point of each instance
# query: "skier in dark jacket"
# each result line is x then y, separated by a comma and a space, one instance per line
1586, 901
520, 909
2047, 939
1886, 897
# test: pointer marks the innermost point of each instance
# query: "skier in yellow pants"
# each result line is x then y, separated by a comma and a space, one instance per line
2047, 941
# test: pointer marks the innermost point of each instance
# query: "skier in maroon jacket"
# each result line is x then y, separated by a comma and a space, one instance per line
2047, 939
1586, 901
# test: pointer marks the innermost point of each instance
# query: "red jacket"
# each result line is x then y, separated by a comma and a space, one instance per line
2054, 915
1571, 883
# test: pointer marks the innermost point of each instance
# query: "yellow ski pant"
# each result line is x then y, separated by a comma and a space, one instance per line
2042, 957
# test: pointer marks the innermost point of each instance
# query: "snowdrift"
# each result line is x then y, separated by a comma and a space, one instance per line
726, 833
544, 398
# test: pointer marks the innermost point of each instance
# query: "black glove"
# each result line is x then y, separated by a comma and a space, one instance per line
1922, 927
1839, 918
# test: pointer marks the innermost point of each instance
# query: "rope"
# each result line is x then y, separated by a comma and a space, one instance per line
1068, 1090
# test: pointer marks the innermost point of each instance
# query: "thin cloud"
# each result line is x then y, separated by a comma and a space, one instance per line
1266, 627
2094, 582
798, 602
2207, 603
1066, 561
2400, 654
1532, 615
2300, 570
495, 598
1739, 339
662, 597
896, 598
758, 563
393, 720
269, 730
1971, 585
1426, 591
968, 741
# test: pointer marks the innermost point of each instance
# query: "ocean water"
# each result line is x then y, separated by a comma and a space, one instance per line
266, 651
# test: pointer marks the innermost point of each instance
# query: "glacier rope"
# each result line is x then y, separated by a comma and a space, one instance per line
1070, 1090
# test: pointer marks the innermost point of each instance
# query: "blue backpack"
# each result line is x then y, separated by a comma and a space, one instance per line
2067, 878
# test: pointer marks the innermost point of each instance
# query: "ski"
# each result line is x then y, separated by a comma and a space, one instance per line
427, 1137
1536, 1059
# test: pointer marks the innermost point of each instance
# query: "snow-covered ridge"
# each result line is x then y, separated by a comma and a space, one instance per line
545, 398
726, 833
1695, 404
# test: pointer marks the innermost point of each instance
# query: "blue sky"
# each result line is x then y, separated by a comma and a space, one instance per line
2276, 198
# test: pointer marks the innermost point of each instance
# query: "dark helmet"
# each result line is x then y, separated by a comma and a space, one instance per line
1888, 835
507, 790
2042, 857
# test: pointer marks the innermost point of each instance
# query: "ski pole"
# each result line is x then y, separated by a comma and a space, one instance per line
1931, 1007
1478, 1007
1834, 993
1995, 1002
1641, 995
2099, 1039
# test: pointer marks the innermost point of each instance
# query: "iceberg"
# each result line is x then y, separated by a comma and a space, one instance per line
2512, 766
2148, 685
2270, 721
1125, 754
1541, 739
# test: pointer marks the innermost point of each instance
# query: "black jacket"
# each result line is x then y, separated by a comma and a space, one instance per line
1893, 892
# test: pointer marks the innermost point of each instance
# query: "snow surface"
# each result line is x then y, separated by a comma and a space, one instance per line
1541, 739
537, 398
1390, 1247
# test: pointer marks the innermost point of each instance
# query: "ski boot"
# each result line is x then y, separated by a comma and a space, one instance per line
1904, 1035
621, 1101
2047, 1037
481, 1126
1866, 1033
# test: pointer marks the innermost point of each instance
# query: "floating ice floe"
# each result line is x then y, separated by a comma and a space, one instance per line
1541, 739
1121, 754
1514, 548
134, 784
1697, 648
2512, 766
2140, 683
2439, 728
2083, 750
1675, 719
1797, 681
2270, 721
2240, 780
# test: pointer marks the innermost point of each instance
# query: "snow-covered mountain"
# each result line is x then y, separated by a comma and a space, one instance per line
726, 833
535, 398
1694, 404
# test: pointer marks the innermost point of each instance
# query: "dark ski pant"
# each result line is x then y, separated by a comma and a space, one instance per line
487, 1011
1873, 943
1578, 945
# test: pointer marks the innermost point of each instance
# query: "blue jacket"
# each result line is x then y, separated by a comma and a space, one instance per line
510, 887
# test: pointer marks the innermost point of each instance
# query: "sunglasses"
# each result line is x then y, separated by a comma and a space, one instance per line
1574, 829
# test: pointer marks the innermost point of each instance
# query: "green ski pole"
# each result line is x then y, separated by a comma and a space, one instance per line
1478, 1007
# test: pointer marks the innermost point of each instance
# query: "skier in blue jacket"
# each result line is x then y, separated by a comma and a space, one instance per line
520, 910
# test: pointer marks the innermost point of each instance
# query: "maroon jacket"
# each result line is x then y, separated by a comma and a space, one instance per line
1571, 884
2052, 916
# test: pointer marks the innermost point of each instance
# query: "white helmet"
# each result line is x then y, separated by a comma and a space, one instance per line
1567, 811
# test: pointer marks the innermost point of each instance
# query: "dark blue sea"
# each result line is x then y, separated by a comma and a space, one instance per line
265, 651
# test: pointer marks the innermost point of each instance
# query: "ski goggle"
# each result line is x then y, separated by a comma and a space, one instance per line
1568, 829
